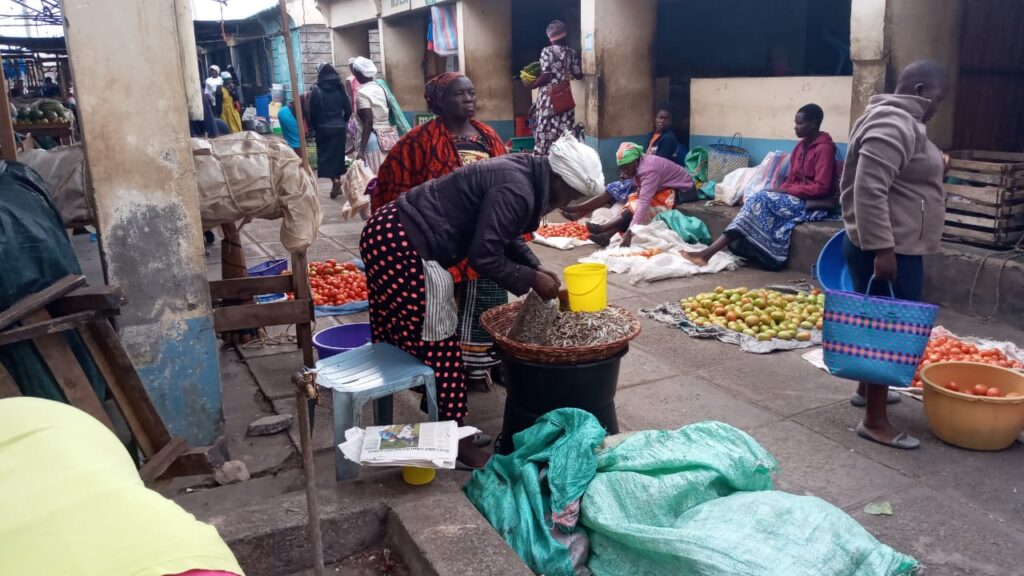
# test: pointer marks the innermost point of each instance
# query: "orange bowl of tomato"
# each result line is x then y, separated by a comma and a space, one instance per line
974, 405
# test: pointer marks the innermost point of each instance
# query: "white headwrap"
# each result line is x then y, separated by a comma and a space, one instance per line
215, 68
577, 164
363, 65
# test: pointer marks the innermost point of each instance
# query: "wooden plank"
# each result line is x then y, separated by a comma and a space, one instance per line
36, 301
988, 155
991, 195
971, 220
244, 288
258, 315
130, 395
996, 179
52, 326
110, 298
8, 387
162, 460
67, 372
8, 147
303, 330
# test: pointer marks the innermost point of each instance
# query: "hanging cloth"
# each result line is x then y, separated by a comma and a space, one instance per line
443, 29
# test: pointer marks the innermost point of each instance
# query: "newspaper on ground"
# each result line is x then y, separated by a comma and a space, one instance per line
420, 444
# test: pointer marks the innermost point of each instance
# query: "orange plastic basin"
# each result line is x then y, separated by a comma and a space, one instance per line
968, 421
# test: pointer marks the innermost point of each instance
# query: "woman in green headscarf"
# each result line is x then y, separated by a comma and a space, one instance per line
655, 182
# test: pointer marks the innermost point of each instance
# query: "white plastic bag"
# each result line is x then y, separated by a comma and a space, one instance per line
768, 175
730, 190
354, 186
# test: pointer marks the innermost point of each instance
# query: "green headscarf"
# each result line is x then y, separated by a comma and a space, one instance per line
628, 153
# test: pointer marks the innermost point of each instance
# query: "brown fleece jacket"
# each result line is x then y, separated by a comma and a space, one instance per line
891, 190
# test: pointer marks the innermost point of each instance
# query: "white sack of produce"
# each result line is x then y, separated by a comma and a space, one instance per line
239, 176
63, 170
246, 175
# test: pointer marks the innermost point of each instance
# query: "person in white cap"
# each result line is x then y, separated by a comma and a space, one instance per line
213, 81
478, 213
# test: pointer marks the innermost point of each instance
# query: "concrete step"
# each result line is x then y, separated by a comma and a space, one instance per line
948, 275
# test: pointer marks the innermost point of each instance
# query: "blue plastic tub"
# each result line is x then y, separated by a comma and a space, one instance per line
338, 339
831, 271
263, 105
269, 268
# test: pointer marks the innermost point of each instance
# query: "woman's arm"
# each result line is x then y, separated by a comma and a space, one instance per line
497, 227
647, 186
820, 183
884, 151
365, 116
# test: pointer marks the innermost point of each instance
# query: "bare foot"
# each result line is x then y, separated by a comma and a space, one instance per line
602, 239
694, 257
594, 228
572, 214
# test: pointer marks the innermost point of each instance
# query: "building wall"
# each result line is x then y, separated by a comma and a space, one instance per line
346, 12
404, 43
352, 41
762, 110
927, 29
485, 55
314, 48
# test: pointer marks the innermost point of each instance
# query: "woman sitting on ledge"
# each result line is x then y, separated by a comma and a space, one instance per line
762, 229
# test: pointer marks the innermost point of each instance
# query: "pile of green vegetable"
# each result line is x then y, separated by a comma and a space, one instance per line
41, 111
530, 73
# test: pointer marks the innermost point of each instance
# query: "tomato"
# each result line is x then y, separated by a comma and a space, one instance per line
979, 390
994, 392
953, 386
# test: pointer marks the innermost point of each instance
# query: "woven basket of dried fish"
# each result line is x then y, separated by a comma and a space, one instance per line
574, 337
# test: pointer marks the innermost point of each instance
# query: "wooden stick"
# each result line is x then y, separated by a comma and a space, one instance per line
51, 326
305, 385
8, 387
8, 149
38, 300
296, 97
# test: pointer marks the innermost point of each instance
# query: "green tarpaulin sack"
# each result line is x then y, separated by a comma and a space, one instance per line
690, 229
696, 163
699, 501
531, 496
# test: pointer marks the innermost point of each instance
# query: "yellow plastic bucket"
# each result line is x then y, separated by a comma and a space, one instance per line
587, 285
418, 476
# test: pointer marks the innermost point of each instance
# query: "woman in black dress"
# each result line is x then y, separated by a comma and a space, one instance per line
329, 111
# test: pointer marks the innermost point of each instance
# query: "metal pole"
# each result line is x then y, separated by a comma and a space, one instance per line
305, 393
286, 30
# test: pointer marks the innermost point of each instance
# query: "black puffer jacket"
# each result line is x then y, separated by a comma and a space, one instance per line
329, 105
481, 212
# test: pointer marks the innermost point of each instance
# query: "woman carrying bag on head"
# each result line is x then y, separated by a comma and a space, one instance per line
555, 108
893, 208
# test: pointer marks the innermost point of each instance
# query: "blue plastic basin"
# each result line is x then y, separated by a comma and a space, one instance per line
338, 339
831, 270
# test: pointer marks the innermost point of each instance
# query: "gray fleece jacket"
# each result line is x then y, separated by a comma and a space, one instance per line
891, 190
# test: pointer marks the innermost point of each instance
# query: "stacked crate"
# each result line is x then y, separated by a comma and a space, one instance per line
985, 205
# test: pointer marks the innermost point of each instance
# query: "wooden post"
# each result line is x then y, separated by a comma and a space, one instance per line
296, 96
9, 148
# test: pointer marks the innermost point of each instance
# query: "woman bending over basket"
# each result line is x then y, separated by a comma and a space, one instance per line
480, 213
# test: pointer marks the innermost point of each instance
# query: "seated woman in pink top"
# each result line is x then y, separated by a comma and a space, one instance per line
656, 181
762, 229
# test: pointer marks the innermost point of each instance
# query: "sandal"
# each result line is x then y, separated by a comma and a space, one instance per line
482, 440
902, 441
859, 401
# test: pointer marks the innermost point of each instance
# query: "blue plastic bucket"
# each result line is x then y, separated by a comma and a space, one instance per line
831, 271
263, 105
269, 268
338, 339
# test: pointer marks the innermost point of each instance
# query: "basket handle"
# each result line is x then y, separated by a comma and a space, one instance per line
732, 141
892, 295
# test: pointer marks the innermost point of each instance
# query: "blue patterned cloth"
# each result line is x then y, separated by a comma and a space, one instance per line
767, 220
620, 190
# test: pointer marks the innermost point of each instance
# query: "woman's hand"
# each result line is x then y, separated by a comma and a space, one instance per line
546, 285
885, 265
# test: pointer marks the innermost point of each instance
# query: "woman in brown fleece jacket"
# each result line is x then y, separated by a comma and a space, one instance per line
893, 208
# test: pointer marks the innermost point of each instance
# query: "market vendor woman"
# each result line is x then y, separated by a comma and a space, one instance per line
480, 213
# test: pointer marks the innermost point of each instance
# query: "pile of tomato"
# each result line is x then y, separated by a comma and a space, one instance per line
981, 390
949, 349
565, 230
334, 284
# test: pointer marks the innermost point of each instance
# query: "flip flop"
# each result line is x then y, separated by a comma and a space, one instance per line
902, 441
482, 440
859, 401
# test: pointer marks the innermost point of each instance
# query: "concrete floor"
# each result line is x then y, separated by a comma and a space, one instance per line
959, 512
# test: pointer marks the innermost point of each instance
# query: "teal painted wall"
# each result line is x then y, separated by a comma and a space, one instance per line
279, 65
758, 147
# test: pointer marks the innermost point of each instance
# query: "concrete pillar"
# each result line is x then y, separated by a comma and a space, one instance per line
403, 43
147, 206
886, 35
485, 55
618, 59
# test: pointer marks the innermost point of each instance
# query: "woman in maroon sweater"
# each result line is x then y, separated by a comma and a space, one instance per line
761, 231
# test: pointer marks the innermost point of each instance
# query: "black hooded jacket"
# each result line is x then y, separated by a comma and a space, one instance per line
329, 106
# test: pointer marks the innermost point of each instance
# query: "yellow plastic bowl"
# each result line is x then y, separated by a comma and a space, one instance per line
416, 476
968, 421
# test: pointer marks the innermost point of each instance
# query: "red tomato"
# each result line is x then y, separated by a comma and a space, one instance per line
994, 392
953, 386
979, 390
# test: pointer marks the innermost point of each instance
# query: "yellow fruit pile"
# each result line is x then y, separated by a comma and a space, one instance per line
763, 314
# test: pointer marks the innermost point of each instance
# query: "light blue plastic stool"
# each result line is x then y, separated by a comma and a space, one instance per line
372, 372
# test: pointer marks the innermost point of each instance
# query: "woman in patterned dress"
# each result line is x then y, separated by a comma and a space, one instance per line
558, 64
450, 141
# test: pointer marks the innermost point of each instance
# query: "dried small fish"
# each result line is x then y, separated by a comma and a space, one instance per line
589, 328
533, 323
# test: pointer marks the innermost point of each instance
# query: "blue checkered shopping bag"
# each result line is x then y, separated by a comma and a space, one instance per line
875, 339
